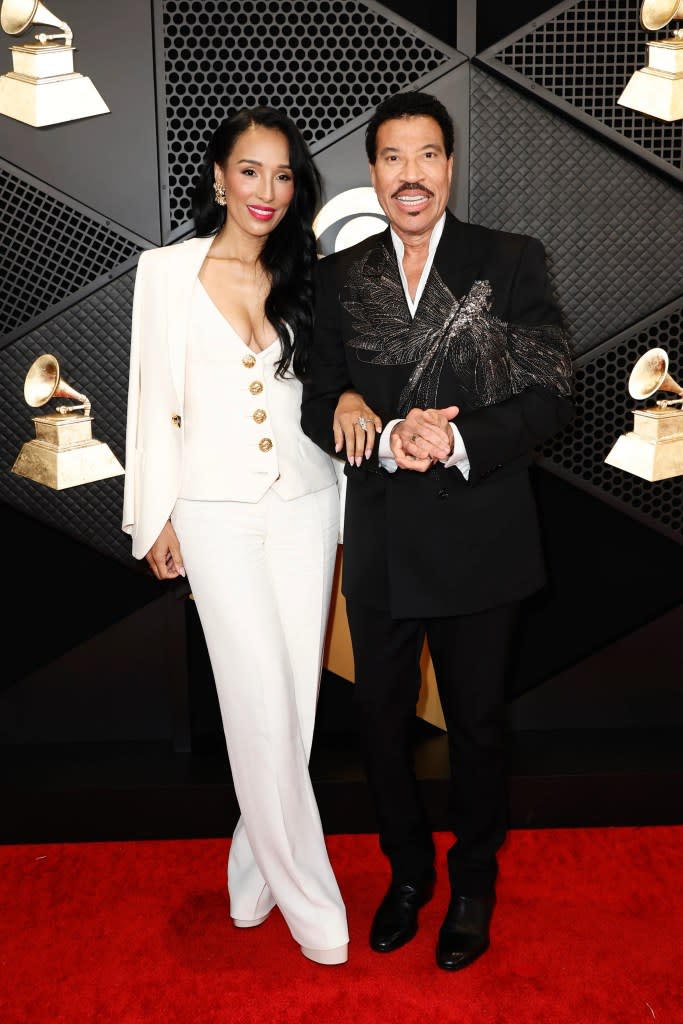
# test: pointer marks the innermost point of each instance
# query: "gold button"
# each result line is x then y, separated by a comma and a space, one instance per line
265, 444
176, 420
260, 415
256, 387
249, 361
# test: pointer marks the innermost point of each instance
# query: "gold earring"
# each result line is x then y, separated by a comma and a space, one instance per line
219, 190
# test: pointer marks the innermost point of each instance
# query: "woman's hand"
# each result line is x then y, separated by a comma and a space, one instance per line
164, 558
355, 427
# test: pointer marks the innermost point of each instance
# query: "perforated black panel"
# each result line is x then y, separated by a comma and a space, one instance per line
325, 62
91, 341
49, 250
611, 227
585, 56
605, 411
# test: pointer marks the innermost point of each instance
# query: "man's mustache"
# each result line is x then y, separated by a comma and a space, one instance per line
412, 186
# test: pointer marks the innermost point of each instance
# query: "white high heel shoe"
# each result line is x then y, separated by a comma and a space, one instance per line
338, 955
253, 923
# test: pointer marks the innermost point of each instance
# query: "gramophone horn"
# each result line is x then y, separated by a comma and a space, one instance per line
17, 16
655, 14
650, 374
43, 382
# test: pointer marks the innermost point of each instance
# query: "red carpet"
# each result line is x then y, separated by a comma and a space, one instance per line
588, 930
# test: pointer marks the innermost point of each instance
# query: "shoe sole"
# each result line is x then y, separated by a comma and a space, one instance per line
390, 949
252, 923
327, 957
461, 967
404, 941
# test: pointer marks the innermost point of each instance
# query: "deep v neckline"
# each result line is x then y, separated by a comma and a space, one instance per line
238, 337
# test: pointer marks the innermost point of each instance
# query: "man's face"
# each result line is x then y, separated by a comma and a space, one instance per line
411, 174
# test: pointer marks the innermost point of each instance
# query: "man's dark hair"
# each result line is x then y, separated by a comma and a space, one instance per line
408, 104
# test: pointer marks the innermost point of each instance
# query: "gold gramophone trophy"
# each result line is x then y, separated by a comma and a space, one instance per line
653, 450
64, 452
43, 88
657, 89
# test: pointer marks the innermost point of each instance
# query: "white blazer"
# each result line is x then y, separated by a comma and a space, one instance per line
164, 284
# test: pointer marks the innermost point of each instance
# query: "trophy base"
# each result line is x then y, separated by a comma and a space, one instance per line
650, 460
59, 468
655, 93
41, 102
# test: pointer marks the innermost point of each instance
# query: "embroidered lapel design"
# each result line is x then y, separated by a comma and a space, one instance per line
491, 359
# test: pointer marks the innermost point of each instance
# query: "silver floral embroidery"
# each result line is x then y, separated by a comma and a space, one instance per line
491, 359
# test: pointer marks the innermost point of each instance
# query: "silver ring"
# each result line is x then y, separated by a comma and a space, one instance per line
362, 422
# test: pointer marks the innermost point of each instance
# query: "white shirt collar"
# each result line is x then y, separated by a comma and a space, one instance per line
399, 249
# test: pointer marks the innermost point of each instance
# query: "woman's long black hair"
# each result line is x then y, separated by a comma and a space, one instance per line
290, 250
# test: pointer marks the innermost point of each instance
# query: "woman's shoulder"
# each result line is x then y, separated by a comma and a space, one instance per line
181, 258
174, 250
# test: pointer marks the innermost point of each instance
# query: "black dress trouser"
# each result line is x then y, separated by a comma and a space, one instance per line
469, 654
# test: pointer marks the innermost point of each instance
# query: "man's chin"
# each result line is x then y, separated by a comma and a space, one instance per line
417, 220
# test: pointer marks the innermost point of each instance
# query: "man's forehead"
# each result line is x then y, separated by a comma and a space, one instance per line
417, 129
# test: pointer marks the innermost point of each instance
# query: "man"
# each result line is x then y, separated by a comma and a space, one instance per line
448, 335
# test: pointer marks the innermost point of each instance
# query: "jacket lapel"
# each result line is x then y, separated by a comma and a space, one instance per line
455, 259
183, 270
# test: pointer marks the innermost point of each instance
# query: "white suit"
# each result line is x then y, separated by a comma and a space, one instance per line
257, 517
154, 435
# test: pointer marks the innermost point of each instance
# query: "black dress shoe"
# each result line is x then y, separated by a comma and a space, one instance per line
395, 921
464, 934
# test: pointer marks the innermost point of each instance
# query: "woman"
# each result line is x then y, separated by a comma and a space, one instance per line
222, 484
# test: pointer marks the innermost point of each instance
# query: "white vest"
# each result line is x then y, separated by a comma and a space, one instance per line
155, 429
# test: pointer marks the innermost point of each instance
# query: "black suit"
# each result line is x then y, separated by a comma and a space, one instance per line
434, 553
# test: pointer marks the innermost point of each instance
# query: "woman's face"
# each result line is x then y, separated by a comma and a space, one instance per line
258, 181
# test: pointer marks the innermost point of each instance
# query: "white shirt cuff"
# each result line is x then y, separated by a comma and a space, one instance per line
386, 459
459, 457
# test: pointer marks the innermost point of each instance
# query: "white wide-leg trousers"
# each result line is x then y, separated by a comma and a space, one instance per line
261, 576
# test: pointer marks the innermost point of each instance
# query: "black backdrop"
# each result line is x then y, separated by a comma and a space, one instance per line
615, 587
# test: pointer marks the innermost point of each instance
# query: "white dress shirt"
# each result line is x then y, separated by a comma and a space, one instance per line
459, 455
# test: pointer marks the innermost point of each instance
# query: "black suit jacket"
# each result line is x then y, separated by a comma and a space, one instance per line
486, 337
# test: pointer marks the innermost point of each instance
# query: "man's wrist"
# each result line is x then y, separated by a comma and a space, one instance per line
451, 448
384, 449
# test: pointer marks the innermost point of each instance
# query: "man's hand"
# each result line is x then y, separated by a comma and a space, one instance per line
355, 427
423, 438
164, 558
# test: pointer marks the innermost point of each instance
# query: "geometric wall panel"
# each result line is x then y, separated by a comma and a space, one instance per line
344, 165
49, 249
607, 221
107, 163
611, 226
91, 341
583, 55
326, 63
605, 411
